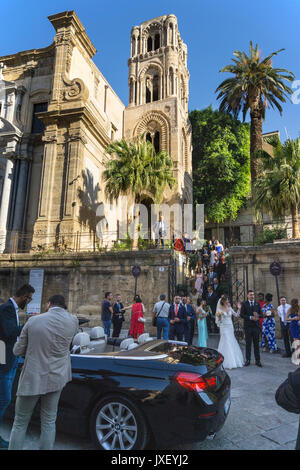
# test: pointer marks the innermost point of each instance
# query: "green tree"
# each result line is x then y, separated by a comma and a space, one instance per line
255, 86
137, 169
277, 190
221, 163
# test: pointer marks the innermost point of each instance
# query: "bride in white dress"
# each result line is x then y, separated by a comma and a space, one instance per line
228, 345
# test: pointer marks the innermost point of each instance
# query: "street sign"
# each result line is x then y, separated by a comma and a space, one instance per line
136, 271
275, 269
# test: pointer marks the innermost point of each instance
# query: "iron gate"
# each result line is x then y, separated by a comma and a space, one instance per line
172, 279
237, 278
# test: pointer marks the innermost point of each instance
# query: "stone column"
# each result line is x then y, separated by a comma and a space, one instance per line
18, 216
7, 184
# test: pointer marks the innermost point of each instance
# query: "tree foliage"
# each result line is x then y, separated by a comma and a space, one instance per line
221, 163
278, 188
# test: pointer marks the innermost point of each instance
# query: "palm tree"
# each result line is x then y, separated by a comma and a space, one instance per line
278, 188
137, 169
256, 86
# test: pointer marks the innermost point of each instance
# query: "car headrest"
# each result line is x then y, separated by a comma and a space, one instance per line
143, 338
97, 332
81, 339
126, 342
132, 346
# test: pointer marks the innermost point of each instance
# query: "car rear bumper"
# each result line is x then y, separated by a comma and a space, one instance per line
195, 419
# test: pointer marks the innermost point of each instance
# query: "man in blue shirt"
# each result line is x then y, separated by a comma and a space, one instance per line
107, 312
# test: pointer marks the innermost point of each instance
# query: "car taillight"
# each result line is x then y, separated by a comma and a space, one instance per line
195, 382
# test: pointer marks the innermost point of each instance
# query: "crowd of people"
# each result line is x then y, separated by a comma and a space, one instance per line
208, 310
44, 342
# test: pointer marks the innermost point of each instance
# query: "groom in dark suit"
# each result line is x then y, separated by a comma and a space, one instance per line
251, 313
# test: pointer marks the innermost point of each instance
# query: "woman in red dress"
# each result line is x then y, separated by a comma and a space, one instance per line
137, 318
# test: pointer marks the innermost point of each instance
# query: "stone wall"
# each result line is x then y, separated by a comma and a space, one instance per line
258, 260
84, 278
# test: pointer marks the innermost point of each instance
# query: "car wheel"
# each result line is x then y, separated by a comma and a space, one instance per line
117, 424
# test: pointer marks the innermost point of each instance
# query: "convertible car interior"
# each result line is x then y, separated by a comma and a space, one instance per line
93, 341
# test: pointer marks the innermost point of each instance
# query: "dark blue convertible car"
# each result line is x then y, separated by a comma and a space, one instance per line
125, 395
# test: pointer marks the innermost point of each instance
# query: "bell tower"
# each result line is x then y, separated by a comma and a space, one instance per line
158, 97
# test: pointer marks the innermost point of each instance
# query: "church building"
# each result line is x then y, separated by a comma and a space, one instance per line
57, 116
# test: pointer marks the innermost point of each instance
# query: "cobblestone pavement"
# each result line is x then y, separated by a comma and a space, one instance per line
254, 422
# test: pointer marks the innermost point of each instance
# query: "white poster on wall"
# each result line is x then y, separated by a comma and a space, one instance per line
36, 280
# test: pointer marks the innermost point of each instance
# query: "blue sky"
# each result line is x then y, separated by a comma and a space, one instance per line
212, 31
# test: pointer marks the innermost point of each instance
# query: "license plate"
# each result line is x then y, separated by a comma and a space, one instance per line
227, 405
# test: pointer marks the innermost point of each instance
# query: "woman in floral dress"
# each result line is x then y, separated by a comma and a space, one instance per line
293, 317
268, 326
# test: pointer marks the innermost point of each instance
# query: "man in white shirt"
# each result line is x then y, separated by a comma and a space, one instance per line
282, 313
160, 231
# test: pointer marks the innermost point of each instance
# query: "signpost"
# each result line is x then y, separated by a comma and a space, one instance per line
276, 270
136, 271
36, 280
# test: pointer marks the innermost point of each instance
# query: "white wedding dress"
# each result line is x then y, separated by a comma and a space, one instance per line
228, 345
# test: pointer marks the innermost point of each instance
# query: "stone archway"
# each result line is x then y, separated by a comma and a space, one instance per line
155, 121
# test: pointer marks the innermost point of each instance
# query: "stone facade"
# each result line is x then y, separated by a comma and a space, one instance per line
57, 116
84, 278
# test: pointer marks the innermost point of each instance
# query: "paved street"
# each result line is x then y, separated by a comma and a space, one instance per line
254, 422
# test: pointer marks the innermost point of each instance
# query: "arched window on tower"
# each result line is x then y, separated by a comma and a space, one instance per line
133, 46
171, 36
149, 44
182, 93
155, 88
157, 42
156, 142
131, 91
148, 91
171, 81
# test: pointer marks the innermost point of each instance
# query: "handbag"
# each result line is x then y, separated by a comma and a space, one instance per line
154, 320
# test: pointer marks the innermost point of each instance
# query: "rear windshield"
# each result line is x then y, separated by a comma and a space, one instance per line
187, 354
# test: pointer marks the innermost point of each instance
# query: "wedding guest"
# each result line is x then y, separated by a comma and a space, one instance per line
251, 312
261, 301
202, 312
293, 317
107, 312
205, 287
216, 287
282, 313
178, 319
211, 300
223, 266
219, 247
205, 258
268, 327
199, 281
213, 256
137, 318
211, 275
45, 344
